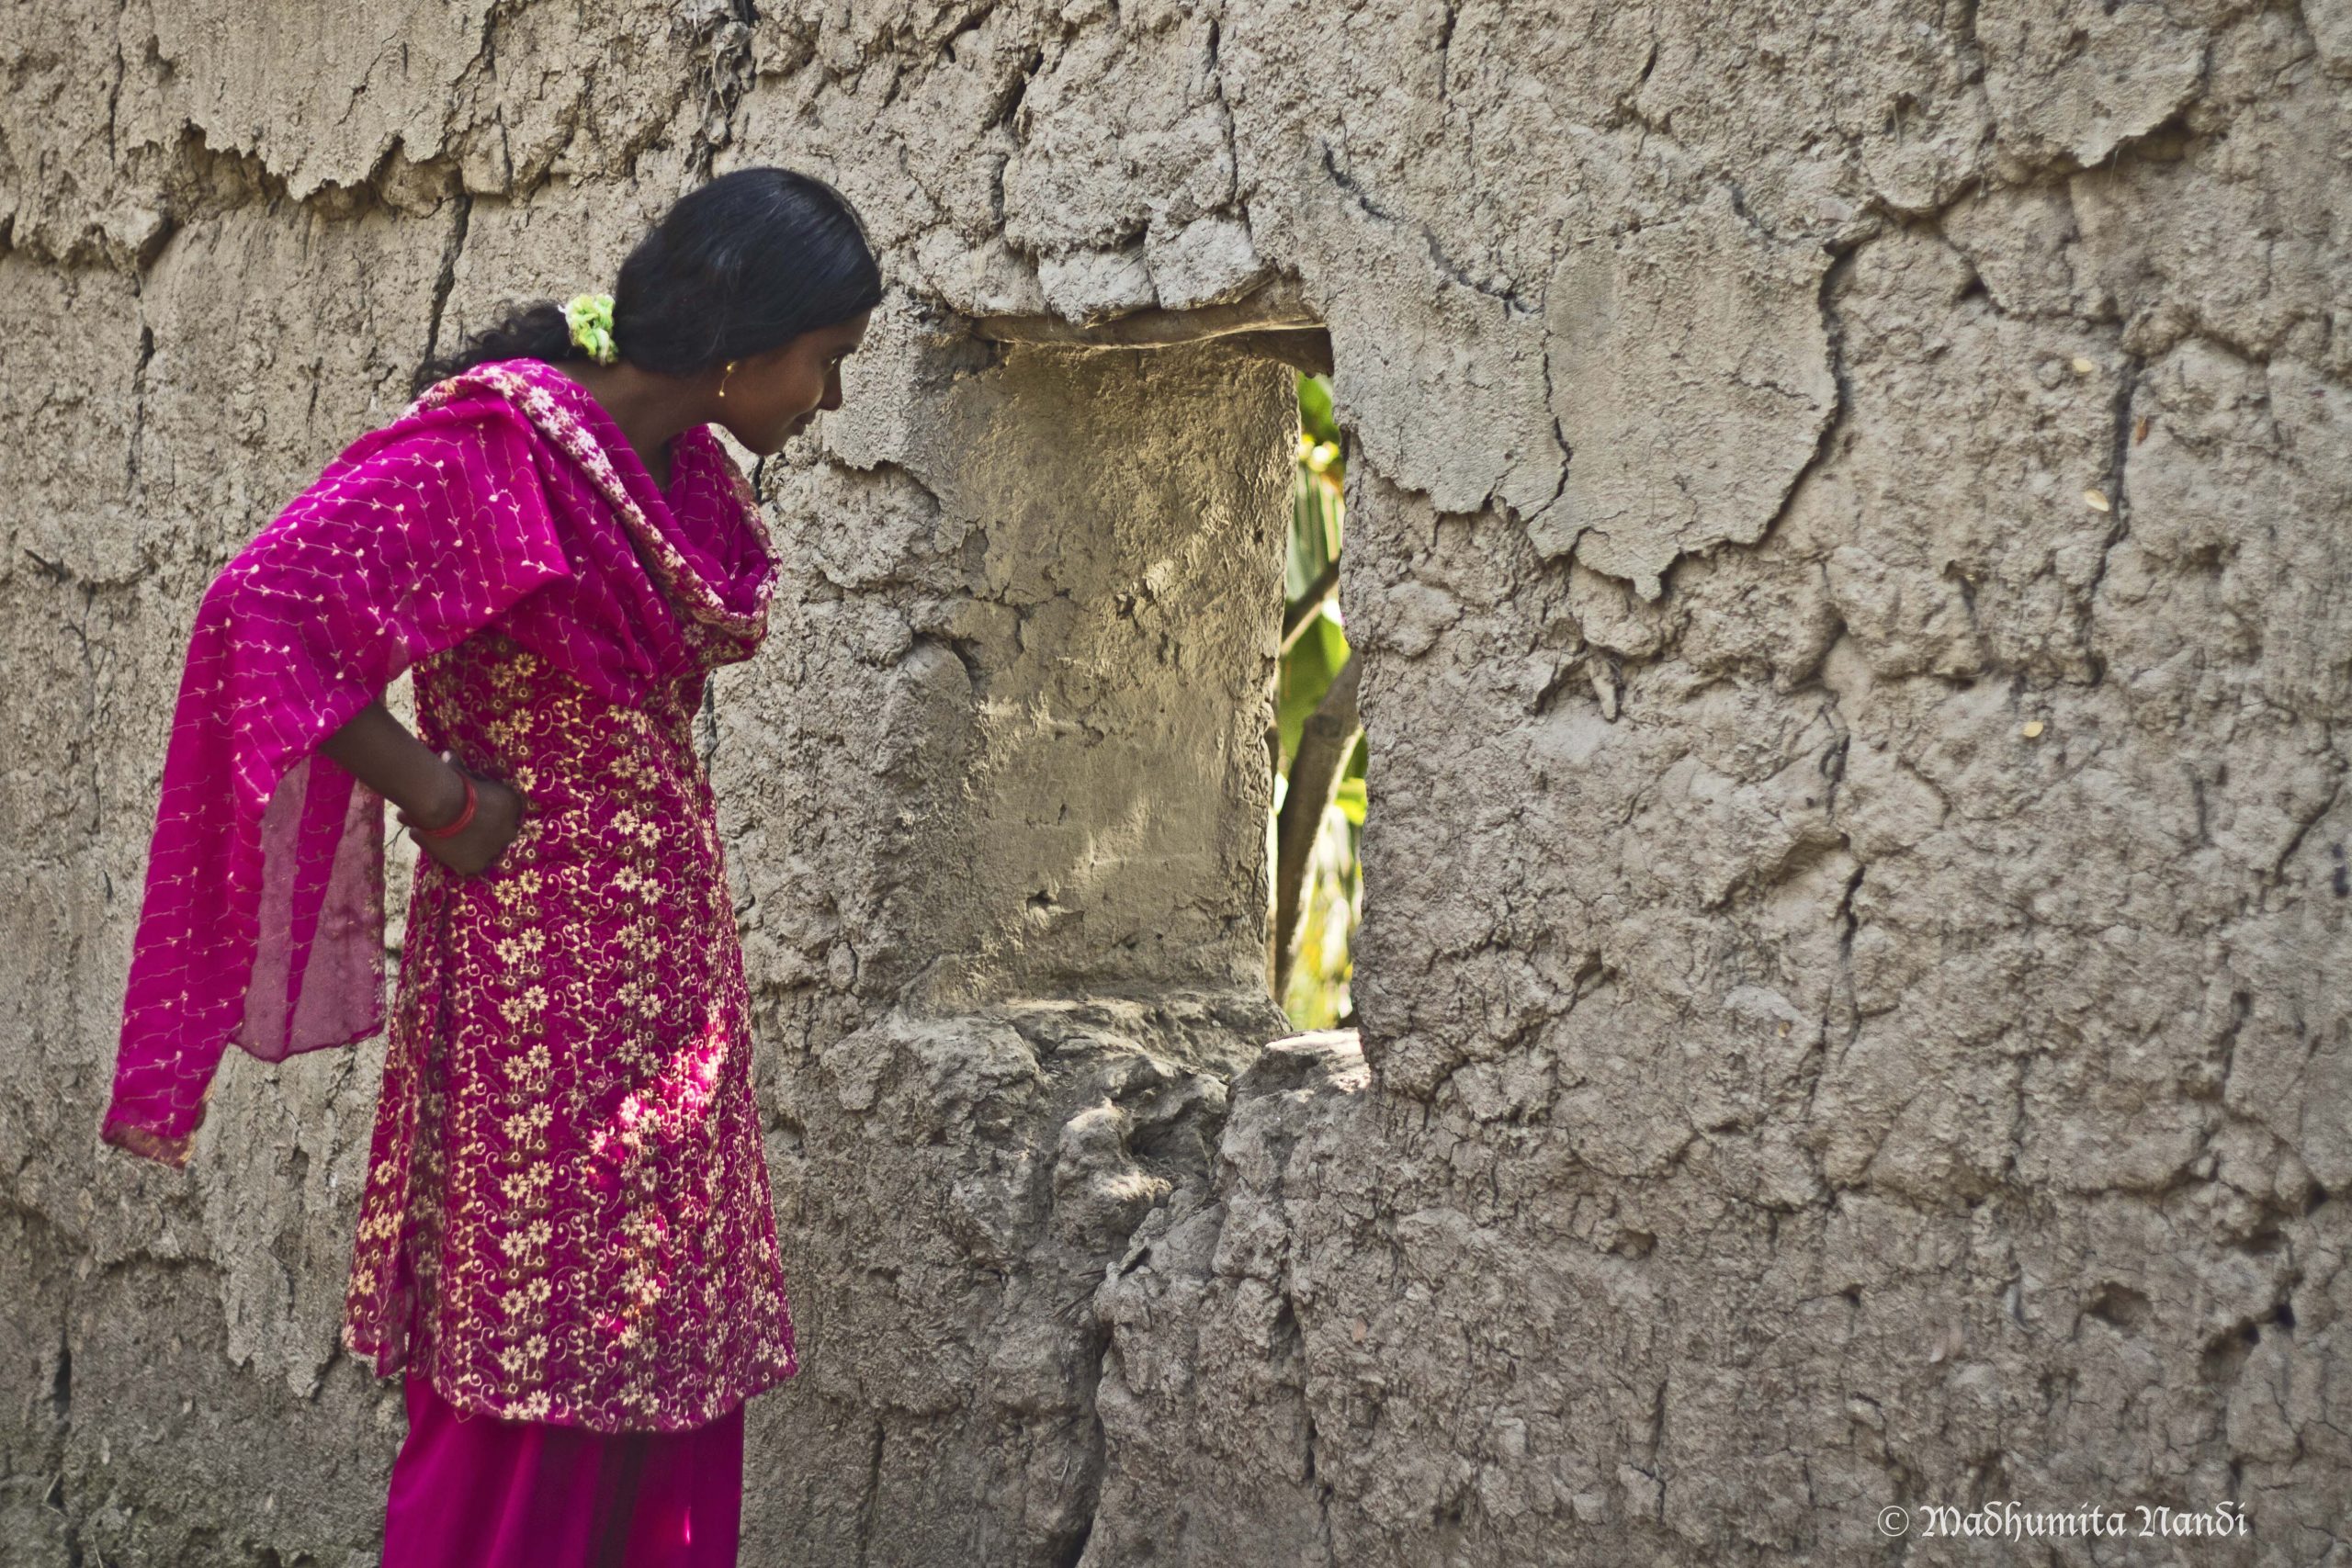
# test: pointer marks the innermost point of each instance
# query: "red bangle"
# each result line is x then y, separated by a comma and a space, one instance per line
464, 816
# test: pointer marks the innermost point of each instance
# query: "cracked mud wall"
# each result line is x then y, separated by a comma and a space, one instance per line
1851, 522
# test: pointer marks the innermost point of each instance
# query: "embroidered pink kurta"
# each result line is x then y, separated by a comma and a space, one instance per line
566, 1216
567, 1213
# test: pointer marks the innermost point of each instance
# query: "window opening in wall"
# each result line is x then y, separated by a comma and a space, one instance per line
1316, 828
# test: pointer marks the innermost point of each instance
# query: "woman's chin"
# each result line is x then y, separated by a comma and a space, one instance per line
763, 443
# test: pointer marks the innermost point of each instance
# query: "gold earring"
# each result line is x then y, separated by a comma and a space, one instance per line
722, 381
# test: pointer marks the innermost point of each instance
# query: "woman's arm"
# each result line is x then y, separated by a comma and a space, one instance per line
378, 749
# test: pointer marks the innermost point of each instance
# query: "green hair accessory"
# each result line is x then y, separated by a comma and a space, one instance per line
589, 317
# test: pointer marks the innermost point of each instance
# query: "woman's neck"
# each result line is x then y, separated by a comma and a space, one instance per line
649, 408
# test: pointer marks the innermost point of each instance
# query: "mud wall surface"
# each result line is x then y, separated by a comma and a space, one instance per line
1850, 540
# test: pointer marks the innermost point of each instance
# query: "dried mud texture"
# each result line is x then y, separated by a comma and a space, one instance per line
1851, 549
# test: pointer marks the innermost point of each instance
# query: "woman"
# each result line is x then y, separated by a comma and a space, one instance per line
565, 1239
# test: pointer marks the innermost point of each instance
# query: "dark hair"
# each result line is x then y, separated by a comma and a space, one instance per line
736, 267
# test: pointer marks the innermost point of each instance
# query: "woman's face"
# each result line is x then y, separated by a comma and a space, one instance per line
771, 397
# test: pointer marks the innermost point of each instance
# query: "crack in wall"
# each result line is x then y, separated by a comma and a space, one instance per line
447, 279
1445, 264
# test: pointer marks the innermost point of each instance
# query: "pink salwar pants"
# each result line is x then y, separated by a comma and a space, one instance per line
475, 1490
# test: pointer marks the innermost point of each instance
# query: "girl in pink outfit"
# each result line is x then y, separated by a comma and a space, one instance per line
565, 1241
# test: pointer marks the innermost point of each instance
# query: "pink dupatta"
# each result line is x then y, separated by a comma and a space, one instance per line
503, 494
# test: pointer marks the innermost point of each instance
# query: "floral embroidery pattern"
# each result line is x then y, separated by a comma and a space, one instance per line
567, 1160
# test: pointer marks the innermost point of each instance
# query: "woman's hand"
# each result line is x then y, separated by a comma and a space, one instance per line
429, 789
498, 817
